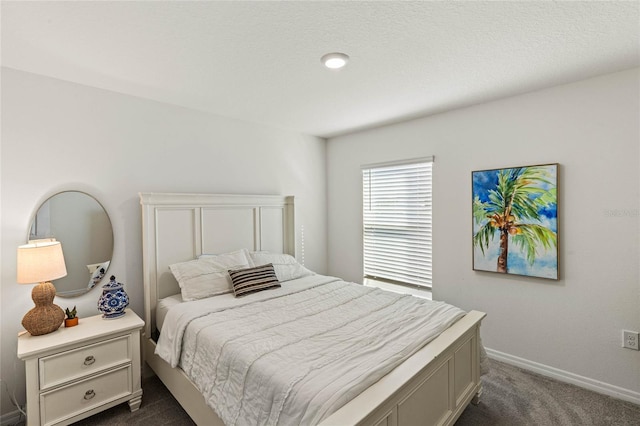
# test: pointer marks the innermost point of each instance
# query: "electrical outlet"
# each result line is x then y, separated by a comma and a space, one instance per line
630, 339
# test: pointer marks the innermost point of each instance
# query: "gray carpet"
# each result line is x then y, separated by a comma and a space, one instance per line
511, 397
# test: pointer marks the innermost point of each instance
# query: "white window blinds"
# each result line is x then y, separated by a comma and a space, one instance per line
397, 222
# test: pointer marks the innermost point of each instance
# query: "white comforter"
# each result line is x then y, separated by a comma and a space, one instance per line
295, 355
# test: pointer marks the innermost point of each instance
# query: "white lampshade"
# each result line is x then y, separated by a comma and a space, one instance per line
40, 261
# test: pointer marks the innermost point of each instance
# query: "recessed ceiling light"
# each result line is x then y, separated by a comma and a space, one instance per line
334, 60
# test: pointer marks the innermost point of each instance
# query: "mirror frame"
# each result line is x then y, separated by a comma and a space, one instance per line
97, 277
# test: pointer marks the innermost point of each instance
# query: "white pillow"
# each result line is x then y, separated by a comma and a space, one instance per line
208, 276
230, 257
98, 273
287, 267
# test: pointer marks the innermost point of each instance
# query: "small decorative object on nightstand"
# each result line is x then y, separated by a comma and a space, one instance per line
72, 319
74, 373
113, 300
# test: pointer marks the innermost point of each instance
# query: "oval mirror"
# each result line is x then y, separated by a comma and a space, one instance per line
81, 224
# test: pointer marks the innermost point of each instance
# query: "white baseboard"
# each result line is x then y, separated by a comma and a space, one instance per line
567, 377
11, 418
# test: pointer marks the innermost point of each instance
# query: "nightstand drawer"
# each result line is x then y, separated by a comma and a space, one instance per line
76, 398
74, 364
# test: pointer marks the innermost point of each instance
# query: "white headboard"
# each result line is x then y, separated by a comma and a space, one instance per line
180, 227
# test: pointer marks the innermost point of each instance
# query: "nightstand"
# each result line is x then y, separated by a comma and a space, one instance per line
79, 371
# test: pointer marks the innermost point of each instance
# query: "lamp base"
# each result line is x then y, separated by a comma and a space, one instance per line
45, 317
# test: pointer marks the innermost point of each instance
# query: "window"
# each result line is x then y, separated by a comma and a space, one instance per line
397, 222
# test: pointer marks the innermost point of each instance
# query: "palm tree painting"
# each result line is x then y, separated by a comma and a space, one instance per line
515, 221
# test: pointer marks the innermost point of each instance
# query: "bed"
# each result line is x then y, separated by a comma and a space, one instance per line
432, 386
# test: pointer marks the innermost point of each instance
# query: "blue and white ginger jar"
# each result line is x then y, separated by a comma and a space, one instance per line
114, 300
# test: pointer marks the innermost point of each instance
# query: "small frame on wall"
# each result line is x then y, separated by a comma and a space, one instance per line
515, 220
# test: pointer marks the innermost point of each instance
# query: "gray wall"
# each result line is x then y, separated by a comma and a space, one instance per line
571, 327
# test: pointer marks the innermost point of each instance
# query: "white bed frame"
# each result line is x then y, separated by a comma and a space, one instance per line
432, 387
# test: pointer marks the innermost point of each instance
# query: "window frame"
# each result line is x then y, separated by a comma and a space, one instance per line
421, 219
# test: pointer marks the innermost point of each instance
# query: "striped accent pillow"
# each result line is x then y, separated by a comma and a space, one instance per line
251, 280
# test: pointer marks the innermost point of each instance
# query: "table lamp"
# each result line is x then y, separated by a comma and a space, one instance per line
41, 261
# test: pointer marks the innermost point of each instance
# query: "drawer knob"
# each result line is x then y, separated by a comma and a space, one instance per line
89, 360
89, 394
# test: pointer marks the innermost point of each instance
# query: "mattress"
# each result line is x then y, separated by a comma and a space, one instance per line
296, 354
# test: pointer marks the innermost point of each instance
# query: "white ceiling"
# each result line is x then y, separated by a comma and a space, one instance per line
260, 61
